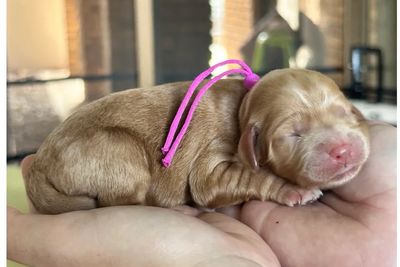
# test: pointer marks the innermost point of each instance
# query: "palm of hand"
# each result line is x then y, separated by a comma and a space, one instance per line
134, 236
353, 226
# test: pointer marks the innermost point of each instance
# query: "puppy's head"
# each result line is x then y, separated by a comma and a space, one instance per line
298, 124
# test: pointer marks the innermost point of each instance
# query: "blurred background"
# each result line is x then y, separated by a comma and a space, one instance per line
61, 53
65, 53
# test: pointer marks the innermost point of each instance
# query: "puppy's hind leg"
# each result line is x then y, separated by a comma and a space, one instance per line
121, 168
45, 198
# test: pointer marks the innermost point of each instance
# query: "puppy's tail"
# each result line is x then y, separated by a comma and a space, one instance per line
47, 199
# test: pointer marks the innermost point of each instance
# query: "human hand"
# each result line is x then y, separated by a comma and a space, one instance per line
133, 236
354, 225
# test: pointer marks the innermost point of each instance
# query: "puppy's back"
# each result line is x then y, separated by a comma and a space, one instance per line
108, 152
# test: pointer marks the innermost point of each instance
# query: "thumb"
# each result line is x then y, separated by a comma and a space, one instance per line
26, 164
256, 213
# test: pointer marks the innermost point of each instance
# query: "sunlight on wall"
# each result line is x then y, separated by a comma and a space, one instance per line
36, 35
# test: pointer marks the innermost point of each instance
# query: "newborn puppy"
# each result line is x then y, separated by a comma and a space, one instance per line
293, 134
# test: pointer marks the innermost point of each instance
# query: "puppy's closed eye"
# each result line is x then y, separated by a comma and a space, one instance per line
298, 130
295, 134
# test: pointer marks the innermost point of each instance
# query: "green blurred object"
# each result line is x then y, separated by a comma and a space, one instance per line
16, 195
267, 45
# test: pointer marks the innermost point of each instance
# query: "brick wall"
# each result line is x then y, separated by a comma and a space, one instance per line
89, 43
237, 26
74, 37
327, 15
101, 36
95, 33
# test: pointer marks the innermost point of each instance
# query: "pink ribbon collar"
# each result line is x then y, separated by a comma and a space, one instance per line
171, 144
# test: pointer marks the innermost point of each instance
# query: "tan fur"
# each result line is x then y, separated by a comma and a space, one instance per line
108, 152
300, 96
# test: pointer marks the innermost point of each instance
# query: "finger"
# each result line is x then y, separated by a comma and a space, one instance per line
187, 210
27, 237
375, 122
257, 213
11, 211
248, 239
369, 215
378, 174
231, 211
116, 236
353, 210
295, 234
26, 164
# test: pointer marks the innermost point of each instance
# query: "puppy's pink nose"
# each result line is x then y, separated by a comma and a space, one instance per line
342, 153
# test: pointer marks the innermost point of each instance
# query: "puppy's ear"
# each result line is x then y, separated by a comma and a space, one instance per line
248, 150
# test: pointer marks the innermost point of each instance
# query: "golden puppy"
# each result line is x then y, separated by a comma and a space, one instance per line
293, 134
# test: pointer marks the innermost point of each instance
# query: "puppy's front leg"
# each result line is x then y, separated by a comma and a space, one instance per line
231, 183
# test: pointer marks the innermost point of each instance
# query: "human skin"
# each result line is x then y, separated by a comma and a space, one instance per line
354, 225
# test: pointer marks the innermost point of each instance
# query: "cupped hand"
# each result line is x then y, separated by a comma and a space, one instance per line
133, 236
354, 225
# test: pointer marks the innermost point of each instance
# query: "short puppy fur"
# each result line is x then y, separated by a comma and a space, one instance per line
290, 136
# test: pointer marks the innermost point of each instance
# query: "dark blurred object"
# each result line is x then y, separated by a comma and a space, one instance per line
361, 69
181, 38
123, 44
101, 43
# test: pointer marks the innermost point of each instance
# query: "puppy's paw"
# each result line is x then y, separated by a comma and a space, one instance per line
292, 195
310, 195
